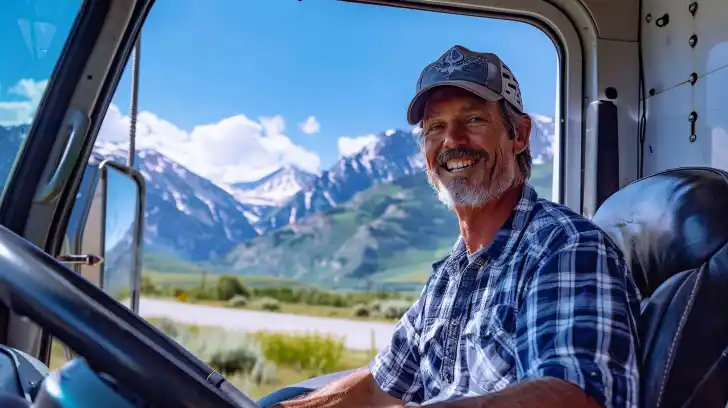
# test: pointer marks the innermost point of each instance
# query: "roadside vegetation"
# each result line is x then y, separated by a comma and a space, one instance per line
261, 362
231, 291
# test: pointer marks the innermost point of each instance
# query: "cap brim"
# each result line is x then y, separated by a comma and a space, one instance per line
417, 106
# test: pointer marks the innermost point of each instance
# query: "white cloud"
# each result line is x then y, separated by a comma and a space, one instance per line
310, 126
26, 97
349, 146
234, 149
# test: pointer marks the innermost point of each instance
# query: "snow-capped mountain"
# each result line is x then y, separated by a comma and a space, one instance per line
271, 191
185, 215
542, 138
394, 155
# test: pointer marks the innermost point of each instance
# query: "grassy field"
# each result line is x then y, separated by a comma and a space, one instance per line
277, 295
190, 279
257, 363
294, 308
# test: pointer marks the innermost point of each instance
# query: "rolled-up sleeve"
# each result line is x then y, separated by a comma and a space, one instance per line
578, 321
396, 368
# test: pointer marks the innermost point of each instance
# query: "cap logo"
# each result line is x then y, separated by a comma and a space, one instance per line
456, 65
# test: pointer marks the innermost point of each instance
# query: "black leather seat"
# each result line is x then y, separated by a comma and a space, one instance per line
673, 230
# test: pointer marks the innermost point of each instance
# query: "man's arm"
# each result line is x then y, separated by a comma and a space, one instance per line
576, 333
357, 389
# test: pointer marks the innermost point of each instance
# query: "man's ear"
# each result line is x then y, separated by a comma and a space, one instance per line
523, 133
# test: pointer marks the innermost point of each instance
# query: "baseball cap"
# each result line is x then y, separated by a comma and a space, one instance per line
481, 73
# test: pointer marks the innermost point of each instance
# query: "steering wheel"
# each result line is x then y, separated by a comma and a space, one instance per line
112, 339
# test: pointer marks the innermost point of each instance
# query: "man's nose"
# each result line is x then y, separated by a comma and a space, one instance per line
455, 136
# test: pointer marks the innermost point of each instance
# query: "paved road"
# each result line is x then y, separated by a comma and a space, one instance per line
357, 334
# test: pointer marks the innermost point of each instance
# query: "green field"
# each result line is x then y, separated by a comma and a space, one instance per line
195, 278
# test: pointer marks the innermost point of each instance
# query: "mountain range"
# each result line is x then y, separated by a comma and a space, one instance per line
370, 216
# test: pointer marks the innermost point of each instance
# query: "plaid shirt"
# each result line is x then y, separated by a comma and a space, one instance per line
551, 296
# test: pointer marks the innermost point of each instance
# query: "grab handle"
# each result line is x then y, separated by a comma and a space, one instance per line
74, 128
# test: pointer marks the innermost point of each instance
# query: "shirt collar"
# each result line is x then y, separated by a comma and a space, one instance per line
507, 236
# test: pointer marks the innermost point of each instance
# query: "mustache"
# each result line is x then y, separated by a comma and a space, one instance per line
450, 154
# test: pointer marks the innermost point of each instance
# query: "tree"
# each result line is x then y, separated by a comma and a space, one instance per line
229, 286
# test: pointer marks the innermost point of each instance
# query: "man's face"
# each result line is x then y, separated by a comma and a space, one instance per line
471, 159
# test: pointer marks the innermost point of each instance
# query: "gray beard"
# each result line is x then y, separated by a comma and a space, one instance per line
461, 192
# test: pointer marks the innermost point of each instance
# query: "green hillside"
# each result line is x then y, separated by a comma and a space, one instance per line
386, 236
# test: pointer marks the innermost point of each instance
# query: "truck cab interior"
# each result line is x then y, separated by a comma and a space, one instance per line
643, 152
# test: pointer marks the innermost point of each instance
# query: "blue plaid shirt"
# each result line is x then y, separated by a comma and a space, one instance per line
551, 296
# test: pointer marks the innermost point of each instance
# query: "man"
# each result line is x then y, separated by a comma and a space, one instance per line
534, 307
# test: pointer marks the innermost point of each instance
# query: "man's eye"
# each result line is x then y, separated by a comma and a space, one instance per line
434, 127
475, 119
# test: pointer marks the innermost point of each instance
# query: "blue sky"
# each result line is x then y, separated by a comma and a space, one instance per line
352, 66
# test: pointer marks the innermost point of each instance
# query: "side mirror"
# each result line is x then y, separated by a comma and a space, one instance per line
106, 231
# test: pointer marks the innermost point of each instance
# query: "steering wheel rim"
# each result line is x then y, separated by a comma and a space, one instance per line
32, 285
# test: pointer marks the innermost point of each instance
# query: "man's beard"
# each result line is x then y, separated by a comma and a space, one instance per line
494, 180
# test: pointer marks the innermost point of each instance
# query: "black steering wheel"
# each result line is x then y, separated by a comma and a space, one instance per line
111, 338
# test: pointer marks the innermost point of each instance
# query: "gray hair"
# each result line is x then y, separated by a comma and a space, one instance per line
511, 117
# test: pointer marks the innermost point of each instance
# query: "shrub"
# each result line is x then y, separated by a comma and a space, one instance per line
230, 360
312, 351
264, 373
376, 306
148, 287
238, 301
167, 327
269, 304
226, 351
394, 309
229, 286
361, 311
202, 293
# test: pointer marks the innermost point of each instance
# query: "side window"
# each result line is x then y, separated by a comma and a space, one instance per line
283, 179
84, 233
33, 35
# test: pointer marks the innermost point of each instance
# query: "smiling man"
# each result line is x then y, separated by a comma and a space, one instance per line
534, 306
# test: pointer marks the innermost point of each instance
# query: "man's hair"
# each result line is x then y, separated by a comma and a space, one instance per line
510, 118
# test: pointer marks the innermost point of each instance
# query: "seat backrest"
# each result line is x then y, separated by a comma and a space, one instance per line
673, 230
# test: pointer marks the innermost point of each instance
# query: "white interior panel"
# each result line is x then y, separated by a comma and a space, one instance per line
667, 143
666, 50
711, 28
669, 61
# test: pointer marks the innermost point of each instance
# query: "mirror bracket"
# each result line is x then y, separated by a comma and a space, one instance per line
84, 259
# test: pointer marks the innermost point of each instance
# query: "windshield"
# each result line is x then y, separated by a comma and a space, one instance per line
33, 34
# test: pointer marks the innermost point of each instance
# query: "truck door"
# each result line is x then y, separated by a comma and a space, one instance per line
61, 62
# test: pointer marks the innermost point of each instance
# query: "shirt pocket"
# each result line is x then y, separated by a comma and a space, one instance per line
489, 349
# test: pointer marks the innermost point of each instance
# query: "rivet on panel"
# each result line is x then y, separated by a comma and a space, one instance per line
693, 8
663, 21
693, 78
648, 17
693, 40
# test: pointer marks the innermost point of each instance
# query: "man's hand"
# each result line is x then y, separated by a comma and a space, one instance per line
355, 390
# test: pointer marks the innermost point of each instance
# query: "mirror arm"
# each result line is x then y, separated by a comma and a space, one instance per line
85, 259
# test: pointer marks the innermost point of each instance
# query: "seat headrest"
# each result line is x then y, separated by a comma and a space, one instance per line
668, 222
